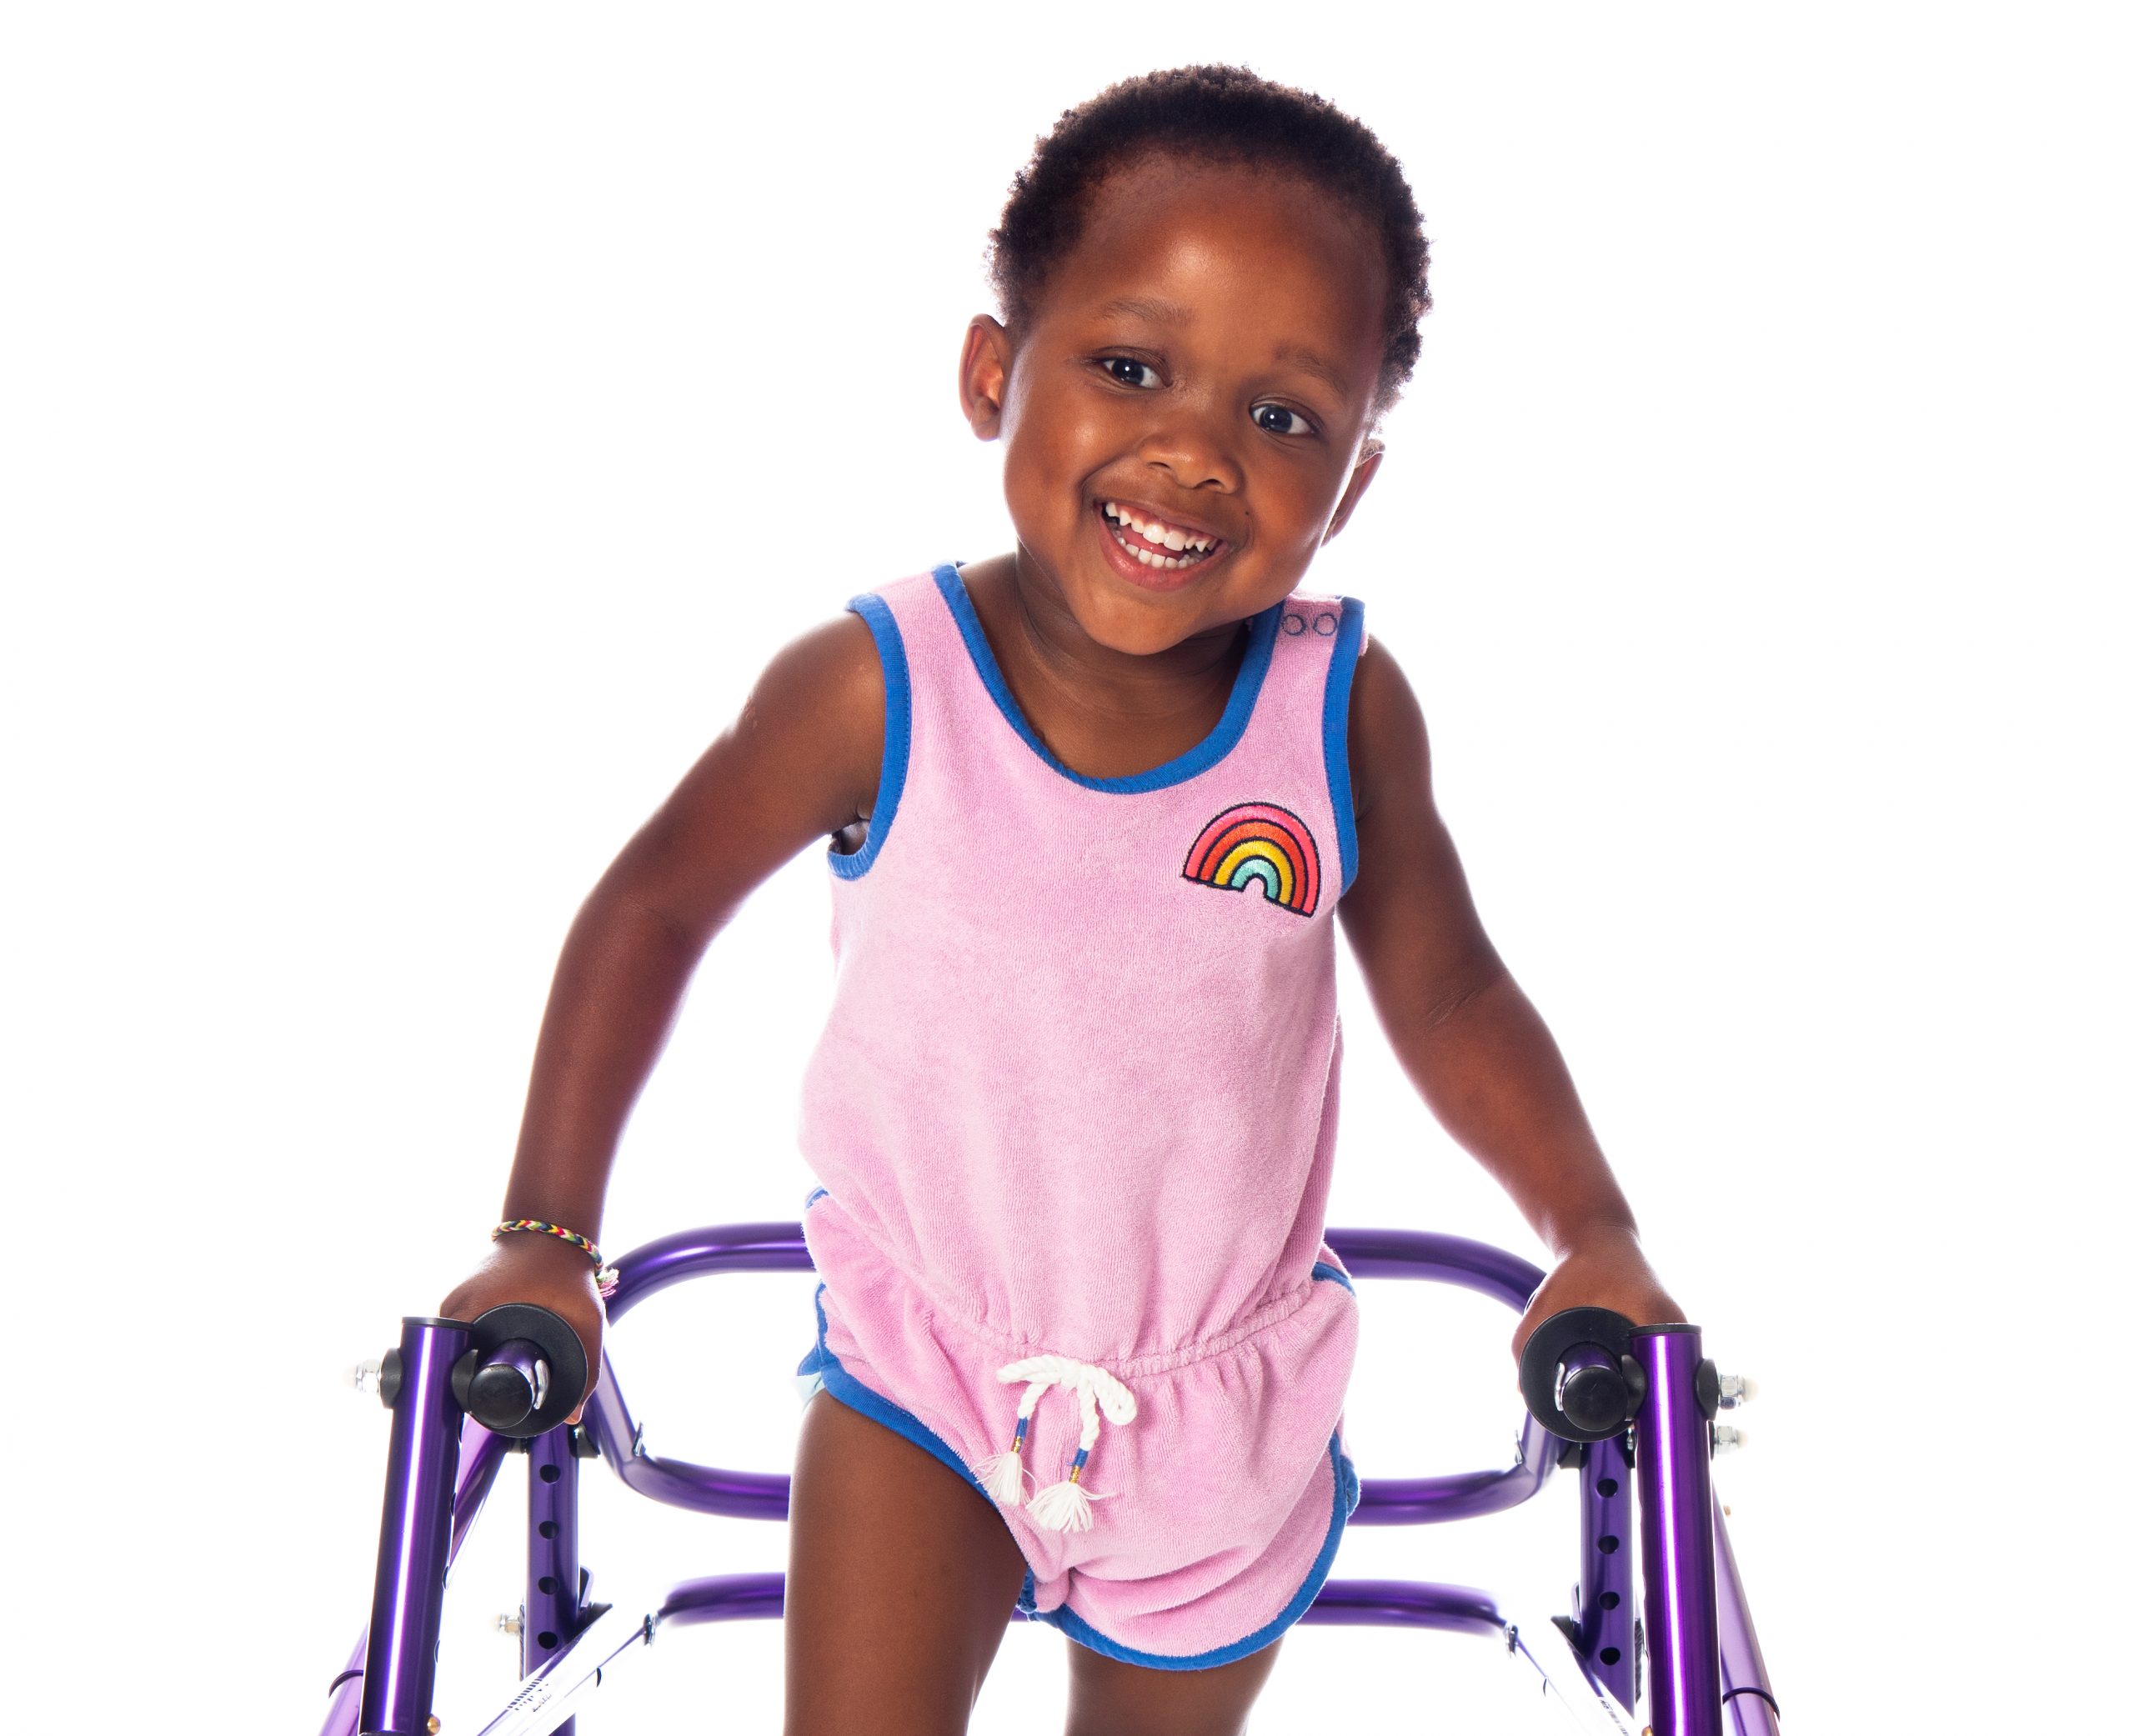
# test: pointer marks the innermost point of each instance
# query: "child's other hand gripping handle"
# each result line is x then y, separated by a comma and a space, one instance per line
1605, 1267
800, 765
545, 1273
1465, 1034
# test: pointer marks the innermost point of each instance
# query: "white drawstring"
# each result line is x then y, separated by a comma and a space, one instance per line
1058, 1506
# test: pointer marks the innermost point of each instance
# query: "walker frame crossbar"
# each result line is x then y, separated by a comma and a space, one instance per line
1706, 1672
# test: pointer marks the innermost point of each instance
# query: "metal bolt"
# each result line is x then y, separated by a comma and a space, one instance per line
434, 1726
1735, 1389
363, 1377
1727, 1438
508, 1625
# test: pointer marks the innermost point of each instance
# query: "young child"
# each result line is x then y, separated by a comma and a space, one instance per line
1092, 808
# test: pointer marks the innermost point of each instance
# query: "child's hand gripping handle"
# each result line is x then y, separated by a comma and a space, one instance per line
537, 1325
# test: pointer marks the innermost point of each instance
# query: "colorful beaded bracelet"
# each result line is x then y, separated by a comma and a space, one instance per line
604, 1276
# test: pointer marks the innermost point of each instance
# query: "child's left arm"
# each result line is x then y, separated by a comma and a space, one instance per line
1470, 1039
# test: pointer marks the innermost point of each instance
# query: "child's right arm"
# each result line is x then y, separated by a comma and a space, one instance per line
798, 765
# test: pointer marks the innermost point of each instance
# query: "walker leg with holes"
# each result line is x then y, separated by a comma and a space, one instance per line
1634, 1410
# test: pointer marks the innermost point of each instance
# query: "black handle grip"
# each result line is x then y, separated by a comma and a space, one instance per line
1578, 1376
525, 1372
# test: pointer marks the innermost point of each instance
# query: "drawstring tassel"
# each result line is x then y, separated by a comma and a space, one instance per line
1064, 1506
1001, 1475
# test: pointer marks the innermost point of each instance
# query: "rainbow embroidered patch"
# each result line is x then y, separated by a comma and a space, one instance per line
1256, 844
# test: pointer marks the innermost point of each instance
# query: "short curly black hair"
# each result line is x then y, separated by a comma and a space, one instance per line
1214, 114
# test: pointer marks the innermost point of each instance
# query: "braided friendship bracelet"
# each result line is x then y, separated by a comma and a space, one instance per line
604, 1276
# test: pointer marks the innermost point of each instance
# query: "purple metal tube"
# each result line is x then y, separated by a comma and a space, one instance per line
481, 1454
1462, 1495
1745, 1683
481, 1457
1403, 1604
673, 1259
1604, 1635
644, 1271
343, 1698
1472, 1266
1674, 1493
550, 1615
1442, 1259
764, 1495
1341, 1603
415, 1533
725, 1598
701, 1488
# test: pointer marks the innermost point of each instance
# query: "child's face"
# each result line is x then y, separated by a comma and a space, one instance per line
1206, 358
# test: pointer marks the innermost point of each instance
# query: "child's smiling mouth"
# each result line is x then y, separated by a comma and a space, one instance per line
1157, 547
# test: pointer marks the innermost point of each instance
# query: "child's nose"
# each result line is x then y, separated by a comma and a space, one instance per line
1192, 449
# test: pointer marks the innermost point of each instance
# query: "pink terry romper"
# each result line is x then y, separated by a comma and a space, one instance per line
1073, 1116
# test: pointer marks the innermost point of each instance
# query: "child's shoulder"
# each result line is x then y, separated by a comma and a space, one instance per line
824, 668
812, 721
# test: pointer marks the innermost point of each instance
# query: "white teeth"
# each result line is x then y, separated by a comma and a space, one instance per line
1155, 531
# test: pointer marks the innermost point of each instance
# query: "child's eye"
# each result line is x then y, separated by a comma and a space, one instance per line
1279, 419
1128, 372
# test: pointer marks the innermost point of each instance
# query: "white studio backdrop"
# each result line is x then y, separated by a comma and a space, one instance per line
420, 424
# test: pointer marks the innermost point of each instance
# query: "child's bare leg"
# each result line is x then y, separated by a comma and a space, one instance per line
900, 1582
1107, 1698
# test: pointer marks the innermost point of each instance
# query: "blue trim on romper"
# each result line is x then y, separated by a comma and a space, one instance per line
896, 734
1244, 693
822, 1360
1319, 1269
1346, 1489
1340, 673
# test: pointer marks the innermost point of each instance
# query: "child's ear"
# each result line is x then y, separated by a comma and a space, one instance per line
1367, 461
982, 376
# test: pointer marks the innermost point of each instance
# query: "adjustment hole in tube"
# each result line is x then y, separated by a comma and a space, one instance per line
550, 1474
1610, 1599
1609, 1655
547, 1641
1609, 1545
547, 1582
1607, 1486
547, 1528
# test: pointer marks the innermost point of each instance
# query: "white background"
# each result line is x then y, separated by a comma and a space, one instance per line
420, 423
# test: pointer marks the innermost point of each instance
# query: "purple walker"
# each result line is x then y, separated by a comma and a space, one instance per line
1604, 1397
